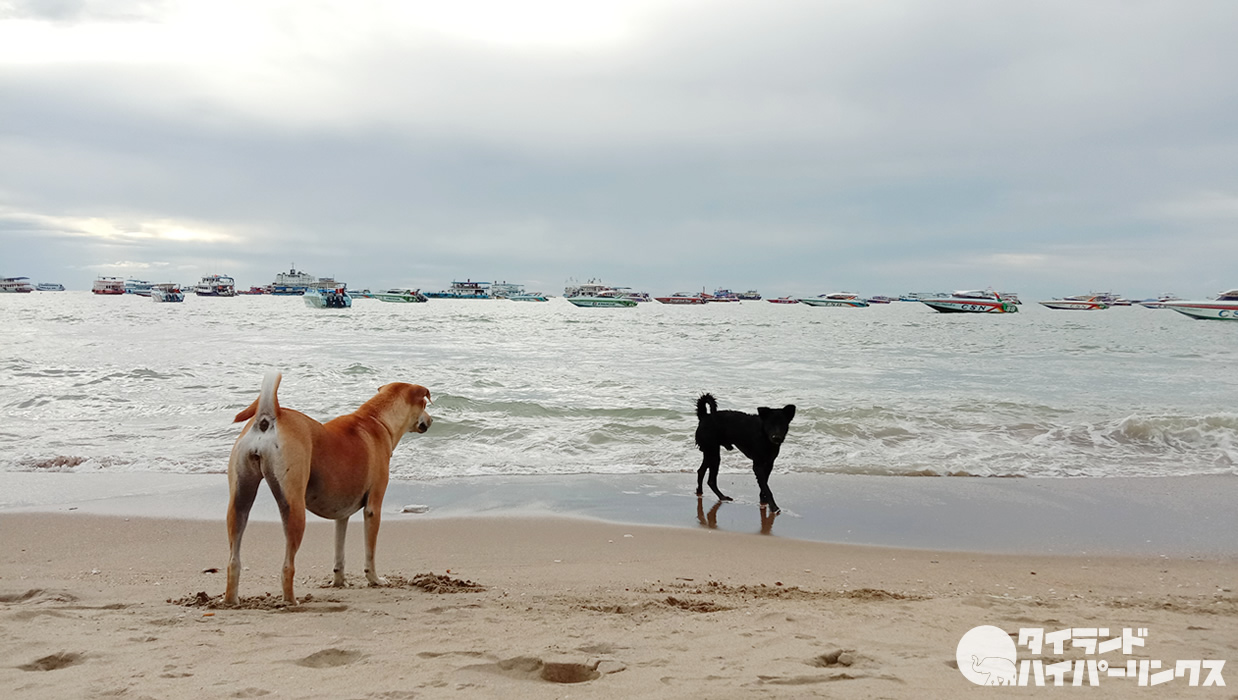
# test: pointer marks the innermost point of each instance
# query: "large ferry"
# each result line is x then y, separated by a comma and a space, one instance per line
15, 285
108, 285
296, 282
463, 290
1224, 307
216, 286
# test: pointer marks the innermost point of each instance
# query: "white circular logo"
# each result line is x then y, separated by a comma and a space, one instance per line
987, 656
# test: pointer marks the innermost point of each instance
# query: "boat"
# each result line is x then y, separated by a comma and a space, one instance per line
528, 296
108, 285
138, 287
1159, 302
216, 286
750, 295
842, 299
594, 293
983, 301
783, 300
337, 298
1224, 307
681, 298
15, 285
49, 287
254, 291
638, 297
166, 292
1083, 302
724, 295
467, 289
880, 299
399, 296
602, 299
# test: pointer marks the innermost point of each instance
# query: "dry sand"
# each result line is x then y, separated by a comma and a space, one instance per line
118, 607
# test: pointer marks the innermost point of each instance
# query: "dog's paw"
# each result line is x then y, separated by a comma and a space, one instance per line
378, 581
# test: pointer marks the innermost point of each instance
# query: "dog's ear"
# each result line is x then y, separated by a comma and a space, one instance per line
763, 411
420, 393
789, 409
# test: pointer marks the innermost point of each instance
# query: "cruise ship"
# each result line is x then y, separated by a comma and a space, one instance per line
296, 282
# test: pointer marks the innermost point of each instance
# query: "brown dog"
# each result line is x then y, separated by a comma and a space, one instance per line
332, 469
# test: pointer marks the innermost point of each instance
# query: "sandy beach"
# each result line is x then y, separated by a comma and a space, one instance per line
507, 605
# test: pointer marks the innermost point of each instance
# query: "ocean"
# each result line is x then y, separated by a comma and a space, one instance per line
122, 384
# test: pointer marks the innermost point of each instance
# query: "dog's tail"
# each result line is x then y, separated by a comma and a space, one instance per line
705, 406
266, 406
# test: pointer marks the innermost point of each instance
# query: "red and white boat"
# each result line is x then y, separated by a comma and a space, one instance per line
784, 300
1085, 302
15, 285
981, 301
108, 285
681, 298
1224, 307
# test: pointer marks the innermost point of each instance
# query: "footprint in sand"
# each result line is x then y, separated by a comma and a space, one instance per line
54, 662
554, 671
329, 658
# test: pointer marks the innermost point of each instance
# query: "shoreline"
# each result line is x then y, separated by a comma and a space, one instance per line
1172, 517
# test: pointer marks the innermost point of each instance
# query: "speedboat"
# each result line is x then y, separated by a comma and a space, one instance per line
594, 293
1083, 302
166, 292
1159, 302
108, 285
528, 296
784, 300
49, 287
980, 301
843, 299
15, 285
880, 299
724, 295
327, 298
681, 298
750, 295
400, 296
1224, 307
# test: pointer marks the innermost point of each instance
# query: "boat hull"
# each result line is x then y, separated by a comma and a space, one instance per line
679, 300
970, 306
1075, 305
1214, 310
601, 302
841, 303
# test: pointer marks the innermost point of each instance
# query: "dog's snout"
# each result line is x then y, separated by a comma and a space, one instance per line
423, 423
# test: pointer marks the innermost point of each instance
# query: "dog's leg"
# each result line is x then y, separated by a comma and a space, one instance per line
711, 462
763, 470
373, 515
341, 530
291, 501
244, 488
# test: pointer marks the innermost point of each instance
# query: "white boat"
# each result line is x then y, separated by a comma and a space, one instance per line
139, 287
399, 296
15, 285
1159, 302
594, 293
842, 299
108, 285
977, 301
328, 298
1224, 307
1083, 302
529, 296
49, 287
467, 289
167, 292
216, 286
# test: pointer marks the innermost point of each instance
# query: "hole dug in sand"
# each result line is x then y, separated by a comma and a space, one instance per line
53, 662
554, 671
329, 658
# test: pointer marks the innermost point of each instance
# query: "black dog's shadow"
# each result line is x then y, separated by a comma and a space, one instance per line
710, 520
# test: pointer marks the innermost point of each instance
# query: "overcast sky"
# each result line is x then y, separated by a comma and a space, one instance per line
797, 147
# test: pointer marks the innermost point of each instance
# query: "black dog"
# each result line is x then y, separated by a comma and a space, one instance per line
759, 437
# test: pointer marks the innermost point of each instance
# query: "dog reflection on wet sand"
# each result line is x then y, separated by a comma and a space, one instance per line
709, 520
